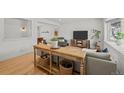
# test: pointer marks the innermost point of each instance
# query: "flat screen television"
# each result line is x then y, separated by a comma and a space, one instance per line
83, 35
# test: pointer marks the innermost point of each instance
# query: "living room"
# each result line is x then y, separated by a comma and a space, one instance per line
20, 34
41, 49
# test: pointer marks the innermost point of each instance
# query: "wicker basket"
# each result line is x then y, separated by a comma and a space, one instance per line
66, 70
43, 61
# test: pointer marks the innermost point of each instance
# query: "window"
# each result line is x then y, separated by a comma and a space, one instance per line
113, 26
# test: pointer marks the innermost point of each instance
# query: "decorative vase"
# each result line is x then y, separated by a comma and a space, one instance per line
54, 44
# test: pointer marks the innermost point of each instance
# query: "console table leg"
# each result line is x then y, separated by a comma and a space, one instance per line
34, 57
81, 68
58, 61
85, 67
50, 63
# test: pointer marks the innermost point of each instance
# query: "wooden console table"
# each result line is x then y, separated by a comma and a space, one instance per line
72, 53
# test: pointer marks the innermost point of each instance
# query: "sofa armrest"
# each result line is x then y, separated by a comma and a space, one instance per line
96, 66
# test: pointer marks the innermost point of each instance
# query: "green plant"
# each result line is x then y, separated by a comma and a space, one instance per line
97, 34
119, 35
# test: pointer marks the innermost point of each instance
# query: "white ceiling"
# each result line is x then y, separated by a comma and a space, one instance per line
68, 20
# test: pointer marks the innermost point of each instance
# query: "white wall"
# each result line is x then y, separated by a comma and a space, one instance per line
117, 57
117, 52
44, 24
13, 28
1, 29
11, 48
46, 30
66, 30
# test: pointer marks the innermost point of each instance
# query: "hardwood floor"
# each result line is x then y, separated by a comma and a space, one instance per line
21, 65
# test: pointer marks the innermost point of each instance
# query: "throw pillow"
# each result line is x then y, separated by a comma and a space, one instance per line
105, 50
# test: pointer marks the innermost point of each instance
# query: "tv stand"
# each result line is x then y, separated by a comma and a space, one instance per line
80, 43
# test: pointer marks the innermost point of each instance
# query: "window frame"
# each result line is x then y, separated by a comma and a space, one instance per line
109, 28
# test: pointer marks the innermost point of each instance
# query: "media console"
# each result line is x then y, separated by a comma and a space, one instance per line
80, 43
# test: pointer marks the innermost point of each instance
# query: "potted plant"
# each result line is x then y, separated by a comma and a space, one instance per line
97, 34
96, 38
119, 36
54, 42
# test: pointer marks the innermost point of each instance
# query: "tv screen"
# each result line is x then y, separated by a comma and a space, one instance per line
80, 35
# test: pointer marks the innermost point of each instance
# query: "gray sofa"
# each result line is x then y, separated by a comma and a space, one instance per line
97, 64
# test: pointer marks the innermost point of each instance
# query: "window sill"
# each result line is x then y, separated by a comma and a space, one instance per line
119, 48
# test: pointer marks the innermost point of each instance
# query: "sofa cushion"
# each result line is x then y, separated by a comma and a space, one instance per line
97, 66
100, 55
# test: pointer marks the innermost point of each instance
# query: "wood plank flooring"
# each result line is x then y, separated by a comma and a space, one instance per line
21, 65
